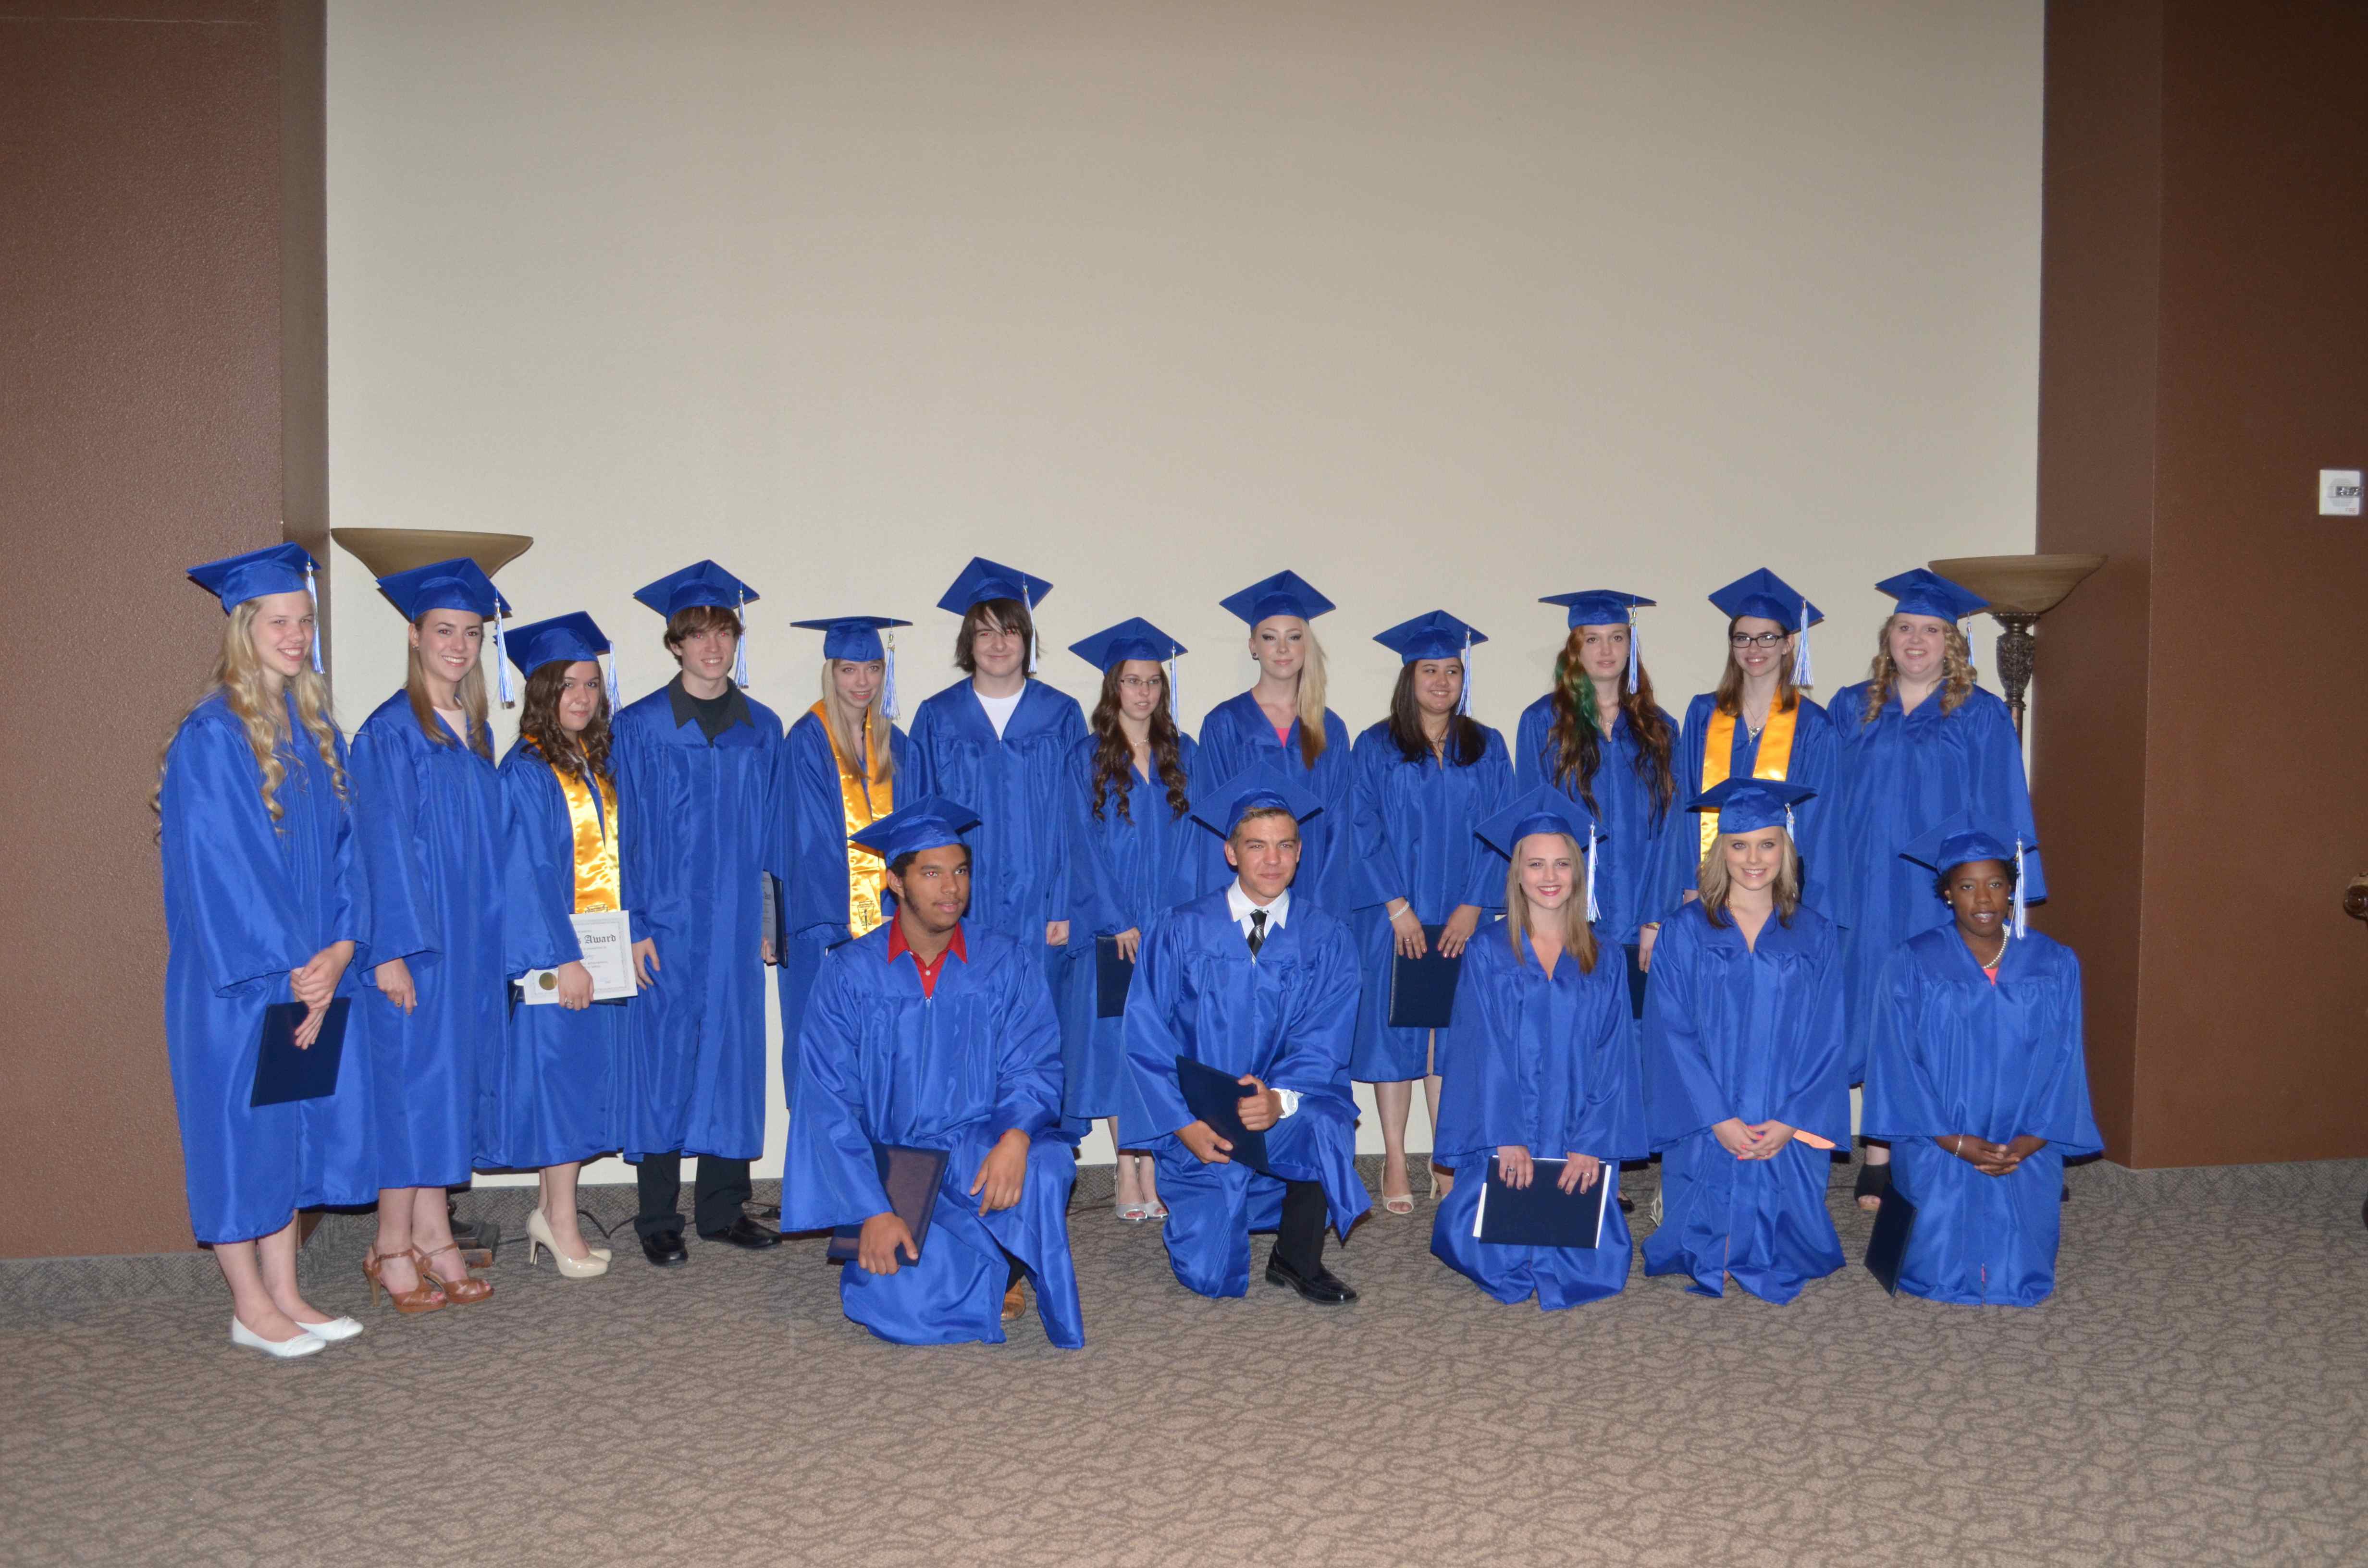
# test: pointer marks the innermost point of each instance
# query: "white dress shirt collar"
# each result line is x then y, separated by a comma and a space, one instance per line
1278, 914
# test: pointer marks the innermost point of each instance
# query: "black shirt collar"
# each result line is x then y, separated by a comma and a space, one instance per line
715, 715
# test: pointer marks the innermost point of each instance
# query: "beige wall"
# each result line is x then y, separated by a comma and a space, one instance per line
1442, 307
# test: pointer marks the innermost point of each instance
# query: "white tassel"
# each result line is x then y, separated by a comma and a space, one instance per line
1463, 703
2021, 915
1802, 673
609, 677
1635, 659
888, 685
1029, 600
502, 659
1594, 910
740, 651
315, 594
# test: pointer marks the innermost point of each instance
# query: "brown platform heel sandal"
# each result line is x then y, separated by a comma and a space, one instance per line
423, 1297
460, 1292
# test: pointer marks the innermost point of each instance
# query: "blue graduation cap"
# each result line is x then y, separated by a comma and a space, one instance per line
1747, 805
855, 638
930, 822
983, 580
1133, 638
1606, 607
274, 569
458, 584
705, 582
1769, 596
1962, 836
1285, 593
572, 638
1436, 635
1928, 593
1260, 785
1541, 809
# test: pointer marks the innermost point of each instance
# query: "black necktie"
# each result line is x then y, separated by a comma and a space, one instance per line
1258, 931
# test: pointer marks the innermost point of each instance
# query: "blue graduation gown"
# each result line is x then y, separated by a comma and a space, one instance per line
1284, 1016
1019, 874
1414, 839
1901, 774
1548, 1065
702, 822
1122, 871
1815, 762
881, 1063
1953, 1053
554, 1093
1632, 827
816, 874
247, 899
1235, 735
427, 825
1756, 1035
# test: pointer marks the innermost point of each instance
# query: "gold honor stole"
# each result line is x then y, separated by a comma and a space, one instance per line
598, 886
1718, 757
867, 874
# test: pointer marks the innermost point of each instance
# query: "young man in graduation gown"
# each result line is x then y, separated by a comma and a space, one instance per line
698, 783
930, 1033
1247, 980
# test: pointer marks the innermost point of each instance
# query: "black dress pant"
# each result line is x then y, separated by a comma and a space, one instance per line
1299, 1238
721, 1188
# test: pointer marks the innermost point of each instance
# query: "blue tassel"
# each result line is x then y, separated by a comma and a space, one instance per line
1175, 712
1594, 910
1801, 671
315, 594
740, 651
1029, 601
502, 659
888, 687
2021, 915
1634, 659
609, 675
1463, 703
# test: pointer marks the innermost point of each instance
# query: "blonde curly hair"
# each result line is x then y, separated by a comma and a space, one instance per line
238, 676
1956, 671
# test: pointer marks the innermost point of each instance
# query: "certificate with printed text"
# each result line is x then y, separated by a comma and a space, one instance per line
607, 938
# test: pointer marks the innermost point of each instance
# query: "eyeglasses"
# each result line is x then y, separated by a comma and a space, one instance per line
1139, 683
1755, 639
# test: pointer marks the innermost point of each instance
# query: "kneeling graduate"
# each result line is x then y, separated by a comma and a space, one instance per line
929, 1034
1540, 1063
1255, 986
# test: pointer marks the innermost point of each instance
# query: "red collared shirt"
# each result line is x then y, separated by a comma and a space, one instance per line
928, 972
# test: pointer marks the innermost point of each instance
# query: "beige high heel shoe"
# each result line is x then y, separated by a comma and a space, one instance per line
538, 1236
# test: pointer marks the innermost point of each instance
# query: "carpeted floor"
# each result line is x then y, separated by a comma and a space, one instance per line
2194, 1393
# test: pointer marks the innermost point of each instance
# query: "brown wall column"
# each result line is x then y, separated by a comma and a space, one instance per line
2204, 352
159, 407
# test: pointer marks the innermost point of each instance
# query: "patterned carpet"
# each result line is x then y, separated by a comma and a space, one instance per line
2194, 1393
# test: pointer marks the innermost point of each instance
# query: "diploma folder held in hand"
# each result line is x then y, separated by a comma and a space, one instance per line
1422, 991
911, 1179
1112, 976
1887, 1248
1540, 1214
282, 1073
1215, 1098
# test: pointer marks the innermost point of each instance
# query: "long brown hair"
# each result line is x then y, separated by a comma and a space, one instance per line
1114, 758
1728, 698
1956, 671
469, 692
238, 676
1578, 743
584, 756
1577, 936
1714, 883
1464, 743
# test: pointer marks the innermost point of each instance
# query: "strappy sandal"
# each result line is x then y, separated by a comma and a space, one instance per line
460, 1292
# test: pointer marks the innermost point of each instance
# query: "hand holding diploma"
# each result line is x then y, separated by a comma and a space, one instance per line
1259, 1110
883, 1236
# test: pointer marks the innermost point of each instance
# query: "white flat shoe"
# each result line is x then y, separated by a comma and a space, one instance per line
281, 1350
329, 1332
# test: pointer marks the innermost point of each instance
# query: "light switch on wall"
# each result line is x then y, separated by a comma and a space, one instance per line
2339, 493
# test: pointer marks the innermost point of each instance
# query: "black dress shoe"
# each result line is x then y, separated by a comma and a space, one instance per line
1323, 1286
664, 1250
746, 1232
